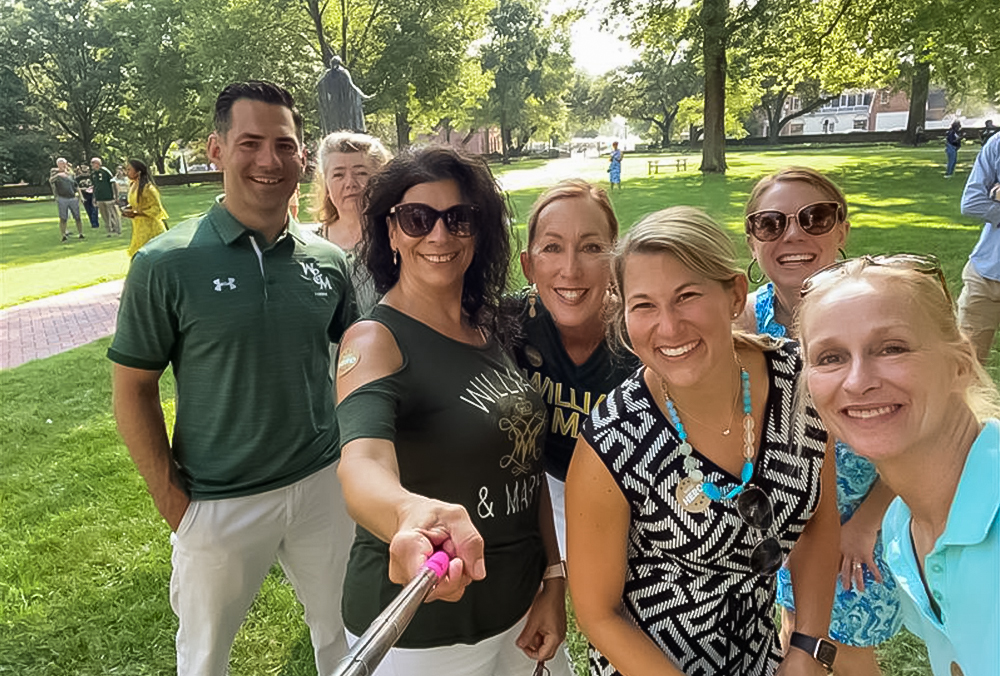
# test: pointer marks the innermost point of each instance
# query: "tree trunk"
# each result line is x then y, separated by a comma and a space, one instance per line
315, 13
919, 86
694, 133
713, 23
505, 135
402, 128
343, 31
774, 124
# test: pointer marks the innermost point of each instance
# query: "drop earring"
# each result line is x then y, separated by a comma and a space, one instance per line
532, 299
395, 257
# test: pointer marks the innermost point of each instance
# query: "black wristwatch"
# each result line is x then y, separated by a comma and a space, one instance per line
822, 650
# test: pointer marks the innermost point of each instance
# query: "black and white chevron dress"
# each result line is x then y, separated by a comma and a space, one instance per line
688, 584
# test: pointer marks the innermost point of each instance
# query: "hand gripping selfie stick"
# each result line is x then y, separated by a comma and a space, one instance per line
383, 633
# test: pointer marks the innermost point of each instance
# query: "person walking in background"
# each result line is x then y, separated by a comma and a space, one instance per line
615, 167
979, 302
248, 302
86, 185
106, 196
144, 206
952, 142
988, 130
67, 194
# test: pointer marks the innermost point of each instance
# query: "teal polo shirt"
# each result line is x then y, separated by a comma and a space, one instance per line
962, 571
246, 328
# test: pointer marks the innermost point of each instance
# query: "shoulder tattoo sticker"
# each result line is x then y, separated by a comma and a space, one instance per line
348, 360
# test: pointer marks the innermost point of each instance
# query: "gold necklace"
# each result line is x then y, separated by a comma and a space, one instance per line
732, 413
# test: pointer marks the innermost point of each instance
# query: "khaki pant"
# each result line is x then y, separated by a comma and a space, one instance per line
223, 550
979, 310
109, 212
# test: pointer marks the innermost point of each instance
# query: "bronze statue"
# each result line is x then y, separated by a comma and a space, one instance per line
340, 100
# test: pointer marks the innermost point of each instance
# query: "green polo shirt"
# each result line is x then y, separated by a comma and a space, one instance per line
104, 182
246, 328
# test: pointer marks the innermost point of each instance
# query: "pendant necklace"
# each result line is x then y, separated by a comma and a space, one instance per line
694, 493
732, 412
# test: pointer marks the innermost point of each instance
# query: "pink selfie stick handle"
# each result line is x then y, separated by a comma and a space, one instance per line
383, 633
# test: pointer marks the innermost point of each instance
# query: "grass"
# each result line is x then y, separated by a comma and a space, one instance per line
34, 264
85, 560
888, 188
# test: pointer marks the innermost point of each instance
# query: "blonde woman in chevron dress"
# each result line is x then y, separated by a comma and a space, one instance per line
692, 481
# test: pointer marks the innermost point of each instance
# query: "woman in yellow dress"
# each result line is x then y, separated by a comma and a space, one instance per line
144, 206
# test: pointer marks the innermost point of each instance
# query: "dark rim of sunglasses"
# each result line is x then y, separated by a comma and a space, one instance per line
752, 228
926, 264
406, 224
755, 508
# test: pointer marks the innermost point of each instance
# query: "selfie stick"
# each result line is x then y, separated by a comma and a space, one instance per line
383, 633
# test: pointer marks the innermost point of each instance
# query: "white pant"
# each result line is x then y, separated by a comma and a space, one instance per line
557, 494
494, 656
223, 550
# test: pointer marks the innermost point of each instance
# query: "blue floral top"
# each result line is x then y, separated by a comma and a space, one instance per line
859, 618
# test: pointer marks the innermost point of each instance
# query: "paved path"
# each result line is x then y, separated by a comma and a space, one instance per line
55, 324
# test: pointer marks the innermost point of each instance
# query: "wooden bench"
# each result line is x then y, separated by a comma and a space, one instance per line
654, 166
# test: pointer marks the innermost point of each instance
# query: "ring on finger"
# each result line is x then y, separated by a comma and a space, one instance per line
856, 565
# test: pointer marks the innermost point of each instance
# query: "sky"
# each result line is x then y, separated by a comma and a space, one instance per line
595, 51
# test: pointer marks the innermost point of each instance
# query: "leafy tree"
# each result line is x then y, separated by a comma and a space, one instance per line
951, 42
714, 25
651, 88
70, 61
226, 42
589, 102
532, 71
160, 102
811, 55
26, 148
412, 57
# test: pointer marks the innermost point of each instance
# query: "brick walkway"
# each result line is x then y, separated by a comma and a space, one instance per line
55, 324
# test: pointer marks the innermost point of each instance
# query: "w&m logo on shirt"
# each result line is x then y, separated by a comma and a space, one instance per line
312, 273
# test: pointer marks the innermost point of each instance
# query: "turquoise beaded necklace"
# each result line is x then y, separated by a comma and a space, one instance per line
695, 478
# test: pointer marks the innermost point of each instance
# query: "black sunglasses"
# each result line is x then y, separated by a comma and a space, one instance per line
416, 219
754, 508
814, 219
924, 264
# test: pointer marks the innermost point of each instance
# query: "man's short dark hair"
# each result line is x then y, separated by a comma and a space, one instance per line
254, 90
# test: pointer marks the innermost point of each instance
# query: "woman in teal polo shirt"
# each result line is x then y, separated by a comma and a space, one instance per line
902, 386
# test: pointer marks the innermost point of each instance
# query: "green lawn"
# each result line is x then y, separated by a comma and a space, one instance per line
85, 560
35, 264
888, 188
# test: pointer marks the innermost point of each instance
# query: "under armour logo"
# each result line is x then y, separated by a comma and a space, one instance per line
231, 284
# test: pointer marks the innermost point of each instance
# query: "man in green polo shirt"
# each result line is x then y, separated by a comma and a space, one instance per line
243, 305
106, 196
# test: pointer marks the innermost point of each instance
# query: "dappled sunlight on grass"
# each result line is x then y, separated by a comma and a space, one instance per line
84, 556
889, 188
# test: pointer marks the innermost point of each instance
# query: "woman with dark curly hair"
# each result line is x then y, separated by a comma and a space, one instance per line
442, 435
